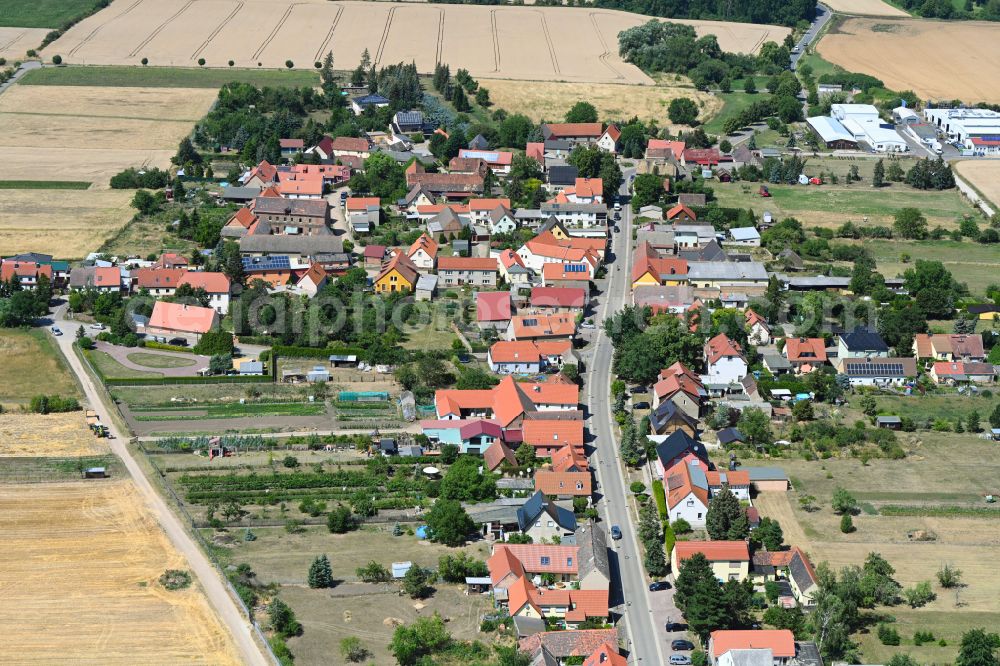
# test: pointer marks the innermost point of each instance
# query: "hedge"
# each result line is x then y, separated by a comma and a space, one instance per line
661, 498
313, 352
211, 379
669, 539
153, 344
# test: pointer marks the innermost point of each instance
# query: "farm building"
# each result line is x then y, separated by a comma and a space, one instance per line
831, 133
863, 123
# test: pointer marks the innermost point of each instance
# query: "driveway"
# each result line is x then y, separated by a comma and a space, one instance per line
121, 355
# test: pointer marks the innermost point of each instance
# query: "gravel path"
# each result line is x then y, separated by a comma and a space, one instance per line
120, 354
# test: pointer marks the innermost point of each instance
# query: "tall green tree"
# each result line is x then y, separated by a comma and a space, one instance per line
582, 112
427, 635
320, 573
724, 513
449, 523
878, 175
977, 649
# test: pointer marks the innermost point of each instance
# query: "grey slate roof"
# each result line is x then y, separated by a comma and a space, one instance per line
563, 175
666, 412
301, 245
592, 553
676, 444
528, 513
710, 251
766, 473
727, 270
863, 339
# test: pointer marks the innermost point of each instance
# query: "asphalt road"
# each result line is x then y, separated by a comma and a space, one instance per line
641, 634
209, 578
823, 14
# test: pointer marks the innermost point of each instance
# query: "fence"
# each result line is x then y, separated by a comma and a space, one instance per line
209, 554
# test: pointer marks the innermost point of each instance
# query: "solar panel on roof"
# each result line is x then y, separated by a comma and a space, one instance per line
531, 322
575, 268
265, 263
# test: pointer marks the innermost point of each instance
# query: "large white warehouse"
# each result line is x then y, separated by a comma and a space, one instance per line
863, 123
977, 129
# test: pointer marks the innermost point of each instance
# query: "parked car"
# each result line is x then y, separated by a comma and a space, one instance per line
681, 644
587, 324
55, 330
616, 532
675, 626
97, 327
659, 586
641, 405
680, 660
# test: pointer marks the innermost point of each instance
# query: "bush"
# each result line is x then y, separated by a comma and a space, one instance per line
53, 404
660, 496
131, 179
681, 526
921, 637
919, 595
175, 579
637, 487
888, 635
846, 523
57, 59
290, 462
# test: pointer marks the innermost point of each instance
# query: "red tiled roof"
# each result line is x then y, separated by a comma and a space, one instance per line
676, 147
577, 484
105, 276
158, 278
805, 350
488, 205
493, 305
244, 217
503, 563
425, 243
558, 297
575, 272
361, 204
714, 551
781, 642
467, 264
594, 130
291, 143
572, 643
212, 283
606, 655
349, 144
753, 318
678, 209
374, 251
679, 485
613, 132
541, 432
733, 478
545, 558
24, 269
513, 351
543, 326
720, 346
182, 318
569, 458
497, 454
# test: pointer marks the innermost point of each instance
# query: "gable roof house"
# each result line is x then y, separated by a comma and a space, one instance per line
667, 418
805, 354
512, 268
399, 274
423, 252
758, 332
548, 436
725, 362
540, 519
681, 386
528, 357
542, 326
677, 447
962, 372
493, 309
687, 492
447, 224
99, 278
558, 299
170, 320
859, 343
573, 132
730, 560
609, 140
24, 273
475, 271
563, 485
943, 347
877, 370
556, 646
449, 185
650, 267
507, 403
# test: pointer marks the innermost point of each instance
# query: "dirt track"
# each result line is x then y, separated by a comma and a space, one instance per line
516, 42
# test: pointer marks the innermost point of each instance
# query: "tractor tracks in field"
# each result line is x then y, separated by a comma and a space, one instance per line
329, 35
440, 39
160, 28
218, 29
604, 57
385, 36
96, 30
548, 42
274, 32
496, 40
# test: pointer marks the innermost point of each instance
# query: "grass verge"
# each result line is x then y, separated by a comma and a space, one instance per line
44, 185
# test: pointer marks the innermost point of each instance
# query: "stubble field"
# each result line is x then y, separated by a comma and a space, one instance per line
550, 101
79, 568
936, 59
15, 41
82, 133
536, 43
984, 175
865, 8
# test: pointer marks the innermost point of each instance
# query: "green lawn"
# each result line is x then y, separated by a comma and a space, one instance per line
232, 410
161, 360
833, 205
946, 406
975, 264
732, 104
44, 185
166, 77
111, 368
44, 13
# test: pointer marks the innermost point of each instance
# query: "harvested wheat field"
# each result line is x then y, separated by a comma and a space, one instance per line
14, 42
536, 43
65, 223
984, 175
865, 8
48, 435
935, 59
186, 105
550, 101
79, 564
